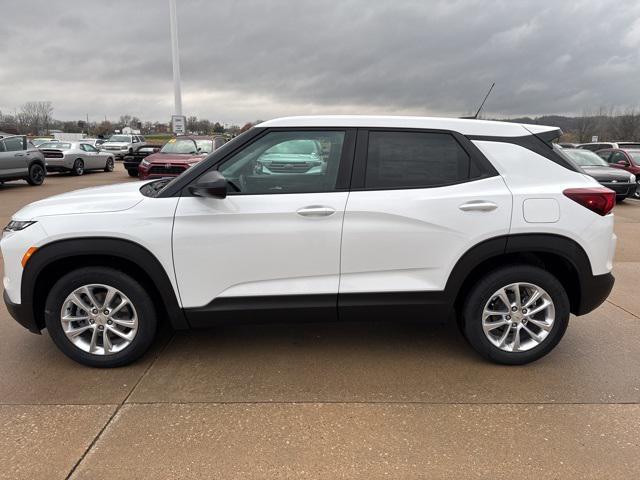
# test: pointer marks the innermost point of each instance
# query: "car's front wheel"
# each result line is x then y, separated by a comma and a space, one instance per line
109, 165
100, 317
36, 174
515, 315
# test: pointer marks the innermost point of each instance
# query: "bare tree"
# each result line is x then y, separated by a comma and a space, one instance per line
627, 125
585, 126
35, 117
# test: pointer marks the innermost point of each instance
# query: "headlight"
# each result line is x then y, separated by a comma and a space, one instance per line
16, 226
124, 147
144, 163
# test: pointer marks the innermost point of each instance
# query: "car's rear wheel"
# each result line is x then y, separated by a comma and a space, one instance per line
78, 167
109, 165
36, 174
133, 173
515, 315
100, 317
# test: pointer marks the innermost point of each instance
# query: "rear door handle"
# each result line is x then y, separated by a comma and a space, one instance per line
19, 154
316, 211
478, 206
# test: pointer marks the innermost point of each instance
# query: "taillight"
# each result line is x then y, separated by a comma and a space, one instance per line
598, 200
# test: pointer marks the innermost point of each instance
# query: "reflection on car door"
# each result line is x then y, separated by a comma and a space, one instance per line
13, 157
275, 240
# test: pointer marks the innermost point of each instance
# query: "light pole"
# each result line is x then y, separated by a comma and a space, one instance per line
177, 120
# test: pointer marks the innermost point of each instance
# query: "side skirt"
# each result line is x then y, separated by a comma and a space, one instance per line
351, 307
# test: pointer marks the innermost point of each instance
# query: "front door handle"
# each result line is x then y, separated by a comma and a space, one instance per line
316, 211
478, 206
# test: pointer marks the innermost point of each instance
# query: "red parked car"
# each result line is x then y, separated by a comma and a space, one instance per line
177, 155
625, 158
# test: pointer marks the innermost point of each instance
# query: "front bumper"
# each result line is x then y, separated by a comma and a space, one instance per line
21, 313
622, 189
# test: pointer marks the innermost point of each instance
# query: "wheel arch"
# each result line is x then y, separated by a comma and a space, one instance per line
561, 256
51, 261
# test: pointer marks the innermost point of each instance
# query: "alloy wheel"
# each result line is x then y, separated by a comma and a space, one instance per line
518, 317
99, 319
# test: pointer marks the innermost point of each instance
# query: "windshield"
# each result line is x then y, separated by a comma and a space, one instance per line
182, 145
58, 145
295, 147
119, 138
585, 158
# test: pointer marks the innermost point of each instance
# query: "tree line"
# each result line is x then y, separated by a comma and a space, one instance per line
36, 118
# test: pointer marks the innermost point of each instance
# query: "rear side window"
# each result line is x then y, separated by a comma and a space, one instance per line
414, 159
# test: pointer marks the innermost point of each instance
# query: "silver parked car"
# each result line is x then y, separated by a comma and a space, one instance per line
75, 157
120, 145
21, 160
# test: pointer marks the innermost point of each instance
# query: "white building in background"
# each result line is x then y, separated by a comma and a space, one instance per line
130, 131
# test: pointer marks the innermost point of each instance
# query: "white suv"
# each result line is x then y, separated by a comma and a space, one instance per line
401, 217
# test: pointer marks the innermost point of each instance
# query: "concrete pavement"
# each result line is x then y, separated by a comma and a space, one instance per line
391, 400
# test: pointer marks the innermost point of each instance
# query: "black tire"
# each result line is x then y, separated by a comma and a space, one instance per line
78, 167
36, 175
132, 173
147, 320
482, 292
108, 167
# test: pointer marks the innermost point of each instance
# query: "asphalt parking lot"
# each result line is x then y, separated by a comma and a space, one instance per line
383, 400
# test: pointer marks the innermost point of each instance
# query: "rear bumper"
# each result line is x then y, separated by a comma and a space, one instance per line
21, 313
594, 291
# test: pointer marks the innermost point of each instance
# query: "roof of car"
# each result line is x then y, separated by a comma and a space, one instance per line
463, 126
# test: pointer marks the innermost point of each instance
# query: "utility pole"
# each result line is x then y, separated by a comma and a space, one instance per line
175, 58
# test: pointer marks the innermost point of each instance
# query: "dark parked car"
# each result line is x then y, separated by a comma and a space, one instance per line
627, 159
620, 181
21, 160
132, 161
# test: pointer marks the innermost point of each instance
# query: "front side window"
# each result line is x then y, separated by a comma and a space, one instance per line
14, 144
286, 162
618, 157
414, 159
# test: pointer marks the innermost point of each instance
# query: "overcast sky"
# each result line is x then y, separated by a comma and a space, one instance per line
247, 59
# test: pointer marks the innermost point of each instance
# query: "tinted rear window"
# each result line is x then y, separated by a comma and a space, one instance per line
414, 159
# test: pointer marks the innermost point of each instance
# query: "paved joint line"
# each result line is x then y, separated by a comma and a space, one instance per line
119, 407
622, 308
312, 402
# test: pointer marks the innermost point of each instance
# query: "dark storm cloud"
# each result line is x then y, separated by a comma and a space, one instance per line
243, 60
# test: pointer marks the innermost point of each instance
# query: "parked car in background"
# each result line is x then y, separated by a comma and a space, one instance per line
621, 182
40, 140
177, 155
21, 160
626, 159
595, 146
96, 142
132, 161
75, 157
120, 145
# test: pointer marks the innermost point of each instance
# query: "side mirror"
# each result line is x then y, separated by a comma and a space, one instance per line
624, 163
211, 184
